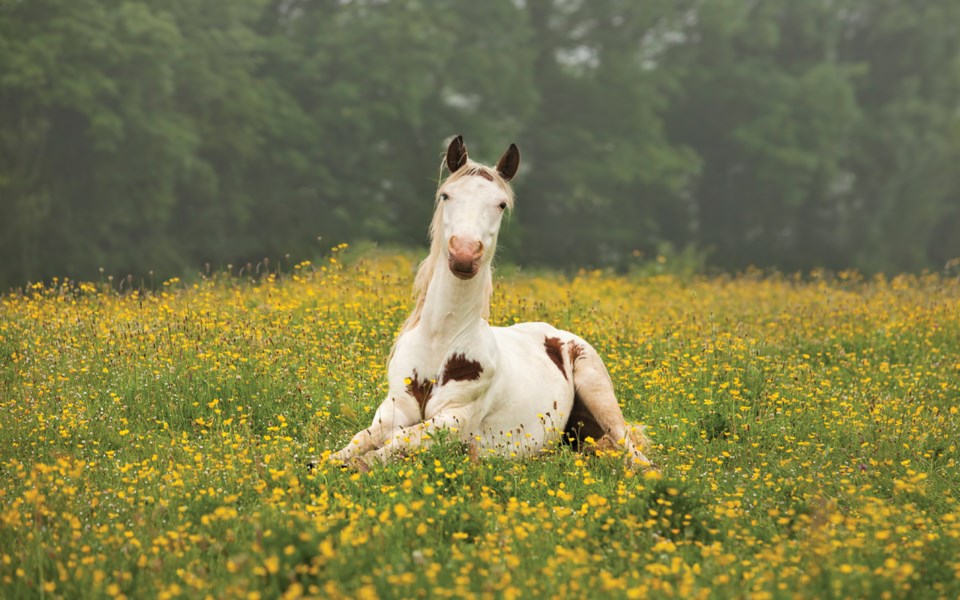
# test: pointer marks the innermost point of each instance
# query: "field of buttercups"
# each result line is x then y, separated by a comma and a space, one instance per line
153, 442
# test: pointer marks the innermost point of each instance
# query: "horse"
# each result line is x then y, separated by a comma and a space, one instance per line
507, 391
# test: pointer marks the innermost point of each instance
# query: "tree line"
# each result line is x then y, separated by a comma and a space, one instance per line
147, 135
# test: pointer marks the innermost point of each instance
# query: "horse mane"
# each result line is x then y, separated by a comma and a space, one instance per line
426, 269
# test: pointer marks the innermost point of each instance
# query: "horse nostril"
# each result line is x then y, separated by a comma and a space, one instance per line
479, 248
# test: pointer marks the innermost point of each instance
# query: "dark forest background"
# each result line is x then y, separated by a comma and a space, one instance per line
159, 135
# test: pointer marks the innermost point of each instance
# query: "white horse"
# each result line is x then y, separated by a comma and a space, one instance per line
508, 391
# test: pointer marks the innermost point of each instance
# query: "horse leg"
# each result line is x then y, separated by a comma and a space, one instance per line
596, 409
393, 414
406, 441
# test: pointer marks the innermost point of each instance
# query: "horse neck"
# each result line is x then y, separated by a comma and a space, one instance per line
453, 307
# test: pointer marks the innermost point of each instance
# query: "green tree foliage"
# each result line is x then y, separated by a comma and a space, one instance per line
92, 150
604, 179
905, 164
822, 127
141, 135
382, 85
771, 112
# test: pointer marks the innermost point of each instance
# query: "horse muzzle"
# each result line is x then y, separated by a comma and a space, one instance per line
464, 257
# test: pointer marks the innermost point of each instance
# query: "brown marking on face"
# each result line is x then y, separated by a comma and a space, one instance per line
575, 349
421, 390
554, 348
485, 175
581, 425
459, 368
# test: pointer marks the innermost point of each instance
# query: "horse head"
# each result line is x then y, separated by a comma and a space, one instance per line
470, 206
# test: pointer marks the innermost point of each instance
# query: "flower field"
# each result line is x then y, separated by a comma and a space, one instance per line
153, 443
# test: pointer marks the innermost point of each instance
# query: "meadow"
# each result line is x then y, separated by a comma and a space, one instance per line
153, 441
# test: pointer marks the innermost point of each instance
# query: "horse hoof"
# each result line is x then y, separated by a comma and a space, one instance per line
354, 463
313, 464
641, 463
647, 467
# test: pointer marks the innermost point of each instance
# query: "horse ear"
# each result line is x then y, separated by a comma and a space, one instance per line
456, 154
509, 163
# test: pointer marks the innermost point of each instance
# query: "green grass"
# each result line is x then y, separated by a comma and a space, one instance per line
155, 443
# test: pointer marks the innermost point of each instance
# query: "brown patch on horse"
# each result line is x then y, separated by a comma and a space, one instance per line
421, 392
554, 348
575, 349
459, 368
485, 175
581, 425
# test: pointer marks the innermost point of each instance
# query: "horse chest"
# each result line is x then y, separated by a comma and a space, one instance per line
425, 370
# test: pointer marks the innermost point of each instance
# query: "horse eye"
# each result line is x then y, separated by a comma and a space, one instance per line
503, 206
444, 197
